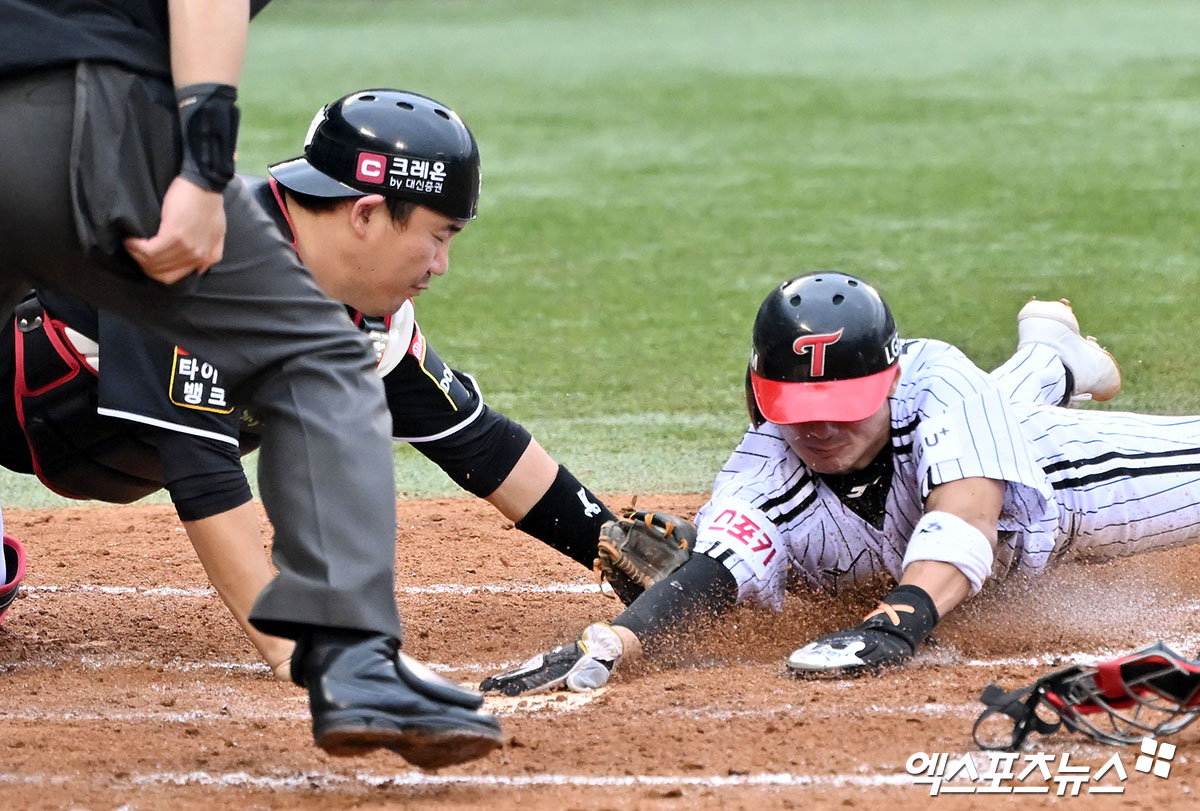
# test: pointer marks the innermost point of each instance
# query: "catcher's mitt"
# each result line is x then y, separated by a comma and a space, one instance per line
641, 548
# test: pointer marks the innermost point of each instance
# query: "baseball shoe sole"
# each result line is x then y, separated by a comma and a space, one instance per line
429, 743
1094, 370
366, 694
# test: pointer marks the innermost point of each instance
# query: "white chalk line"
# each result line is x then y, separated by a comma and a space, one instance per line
35, 592
1184, 645
542, 703
940, 658
328, 781
134, 717
505, 707
89, 661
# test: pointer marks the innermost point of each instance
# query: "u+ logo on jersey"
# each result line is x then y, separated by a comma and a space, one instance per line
931, 441
815, 345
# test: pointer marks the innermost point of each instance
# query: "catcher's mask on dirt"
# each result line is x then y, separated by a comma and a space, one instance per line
388, 142
824, 349
1149, 693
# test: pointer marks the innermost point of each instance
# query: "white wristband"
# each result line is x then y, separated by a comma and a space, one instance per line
945, 537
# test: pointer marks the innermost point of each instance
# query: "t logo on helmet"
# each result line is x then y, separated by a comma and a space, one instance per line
816, 344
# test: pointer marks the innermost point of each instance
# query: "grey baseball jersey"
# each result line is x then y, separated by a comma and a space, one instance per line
1078, 482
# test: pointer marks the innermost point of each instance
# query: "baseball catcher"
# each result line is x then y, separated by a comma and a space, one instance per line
868, 456
1152, 692
160, 417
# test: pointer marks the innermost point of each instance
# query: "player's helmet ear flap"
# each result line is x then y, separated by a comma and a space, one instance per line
388, 142
824, 348
756, 417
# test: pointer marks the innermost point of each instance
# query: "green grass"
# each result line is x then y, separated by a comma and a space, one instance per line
651, 169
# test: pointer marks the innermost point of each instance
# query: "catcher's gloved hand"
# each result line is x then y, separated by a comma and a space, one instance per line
641, 548
889, 635
582, 665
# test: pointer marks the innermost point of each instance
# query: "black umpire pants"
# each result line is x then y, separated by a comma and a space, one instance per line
85, 157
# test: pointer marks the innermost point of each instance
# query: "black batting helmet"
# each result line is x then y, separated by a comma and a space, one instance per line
824, 349
388, 142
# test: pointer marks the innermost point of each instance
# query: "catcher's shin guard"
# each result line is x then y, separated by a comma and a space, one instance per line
14, 570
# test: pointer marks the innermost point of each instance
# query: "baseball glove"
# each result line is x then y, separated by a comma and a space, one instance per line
641, 548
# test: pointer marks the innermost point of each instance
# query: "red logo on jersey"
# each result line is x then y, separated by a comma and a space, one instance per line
743, 529
816, 345
372, 168
416, 347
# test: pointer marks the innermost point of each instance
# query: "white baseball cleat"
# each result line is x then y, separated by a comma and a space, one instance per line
1094, 371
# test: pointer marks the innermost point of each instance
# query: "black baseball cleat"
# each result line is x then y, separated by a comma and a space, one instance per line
365, 694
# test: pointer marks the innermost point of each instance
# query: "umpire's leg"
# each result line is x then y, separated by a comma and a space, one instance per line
325, 464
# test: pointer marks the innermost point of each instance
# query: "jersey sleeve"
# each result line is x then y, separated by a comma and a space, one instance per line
203, 476
441, 412
739, 525
967, 428
746, 541
429, 400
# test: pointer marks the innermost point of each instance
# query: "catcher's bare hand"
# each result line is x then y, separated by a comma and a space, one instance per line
582, 665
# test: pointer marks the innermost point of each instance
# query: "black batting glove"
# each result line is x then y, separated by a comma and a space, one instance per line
887, 636
582, 665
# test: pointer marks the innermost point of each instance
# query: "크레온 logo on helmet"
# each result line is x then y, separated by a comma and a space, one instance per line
815, 345
417, 175
371, 168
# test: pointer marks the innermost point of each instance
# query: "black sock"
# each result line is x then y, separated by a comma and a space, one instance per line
568, 518
1070, 386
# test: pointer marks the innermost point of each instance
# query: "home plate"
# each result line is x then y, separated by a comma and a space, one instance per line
558, 701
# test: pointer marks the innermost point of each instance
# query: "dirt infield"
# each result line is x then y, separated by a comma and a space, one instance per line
126, 685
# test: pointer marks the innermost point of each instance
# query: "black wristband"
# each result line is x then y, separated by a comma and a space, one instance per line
208, 121
568, 518
907, 611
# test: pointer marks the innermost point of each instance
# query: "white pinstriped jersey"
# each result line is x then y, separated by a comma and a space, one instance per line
1078, 482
